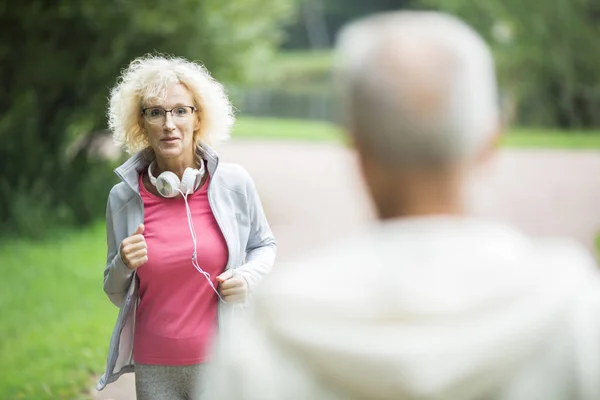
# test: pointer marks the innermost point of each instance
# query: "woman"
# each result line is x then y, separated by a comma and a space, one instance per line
187, 235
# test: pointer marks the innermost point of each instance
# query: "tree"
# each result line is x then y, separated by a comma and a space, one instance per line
324, 18
58, 60
548, 54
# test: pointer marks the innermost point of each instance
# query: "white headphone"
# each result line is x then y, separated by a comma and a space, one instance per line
169, 185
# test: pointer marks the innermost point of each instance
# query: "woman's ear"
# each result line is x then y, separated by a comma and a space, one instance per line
198, 119
140, 121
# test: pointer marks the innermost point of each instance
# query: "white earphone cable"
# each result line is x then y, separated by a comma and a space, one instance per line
194, 255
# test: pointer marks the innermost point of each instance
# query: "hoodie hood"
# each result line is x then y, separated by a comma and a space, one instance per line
428, 308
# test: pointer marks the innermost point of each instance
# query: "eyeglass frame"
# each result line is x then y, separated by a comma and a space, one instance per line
143, 112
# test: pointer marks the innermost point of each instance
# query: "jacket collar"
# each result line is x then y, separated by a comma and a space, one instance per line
129, 171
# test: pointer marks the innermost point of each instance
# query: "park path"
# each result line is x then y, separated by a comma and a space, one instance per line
312, 194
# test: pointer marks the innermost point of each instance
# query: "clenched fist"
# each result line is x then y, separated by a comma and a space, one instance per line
134, 251
234, 289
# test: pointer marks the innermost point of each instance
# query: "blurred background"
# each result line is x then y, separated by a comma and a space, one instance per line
58, 60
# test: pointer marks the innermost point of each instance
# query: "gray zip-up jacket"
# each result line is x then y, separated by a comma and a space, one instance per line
239, 213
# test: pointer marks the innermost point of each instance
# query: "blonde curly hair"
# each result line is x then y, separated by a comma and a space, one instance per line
148, 77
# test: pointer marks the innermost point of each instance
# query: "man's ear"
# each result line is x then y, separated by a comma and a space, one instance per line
490, 147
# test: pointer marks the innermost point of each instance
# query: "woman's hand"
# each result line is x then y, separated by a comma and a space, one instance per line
134, 251
233, 289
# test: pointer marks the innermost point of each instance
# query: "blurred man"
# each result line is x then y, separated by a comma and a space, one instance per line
429, 303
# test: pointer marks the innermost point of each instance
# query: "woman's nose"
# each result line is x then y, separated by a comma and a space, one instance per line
169, 124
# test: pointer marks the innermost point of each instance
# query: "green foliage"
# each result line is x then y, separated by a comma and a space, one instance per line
56, 321
548, 55
243, 35
299, 69
336, 13
57, 63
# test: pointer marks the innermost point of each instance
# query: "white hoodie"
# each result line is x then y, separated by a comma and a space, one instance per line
423, 308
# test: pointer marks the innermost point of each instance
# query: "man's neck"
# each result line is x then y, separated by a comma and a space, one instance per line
424, 208
421, 194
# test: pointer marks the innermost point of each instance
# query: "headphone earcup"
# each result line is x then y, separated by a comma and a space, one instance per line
188, 180
168, 184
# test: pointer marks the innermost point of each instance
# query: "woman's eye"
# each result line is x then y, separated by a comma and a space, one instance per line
155, 112
181, 111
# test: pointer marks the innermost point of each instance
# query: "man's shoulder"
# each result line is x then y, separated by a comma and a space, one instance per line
358, 263
340, 268
563, 252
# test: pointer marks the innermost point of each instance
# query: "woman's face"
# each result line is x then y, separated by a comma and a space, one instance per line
171, 134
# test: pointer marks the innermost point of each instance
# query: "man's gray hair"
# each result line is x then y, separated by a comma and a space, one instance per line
417, 87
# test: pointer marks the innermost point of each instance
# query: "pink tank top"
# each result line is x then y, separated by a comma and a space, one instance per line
177, 314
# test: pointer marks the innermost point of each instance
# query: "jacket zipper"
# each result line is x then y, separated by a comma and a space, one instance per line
210, 203
227, 266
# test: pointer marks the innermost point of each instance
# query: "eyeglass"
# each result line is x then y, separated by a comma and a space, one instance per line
158, 115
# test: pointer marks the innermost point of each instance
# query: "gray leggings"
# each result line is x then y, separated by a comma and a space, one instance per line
163, 382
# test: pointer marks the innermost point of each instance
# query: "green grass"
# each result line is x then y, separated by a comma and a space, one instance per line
55, 319
548, 138
288, 129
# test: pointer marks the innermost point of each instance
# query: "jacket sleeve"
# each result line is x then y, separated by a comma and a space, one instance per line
116, 274
261, 247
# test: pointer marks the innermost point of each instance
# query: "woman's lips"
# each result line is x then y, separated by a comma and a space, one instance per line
169, 140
